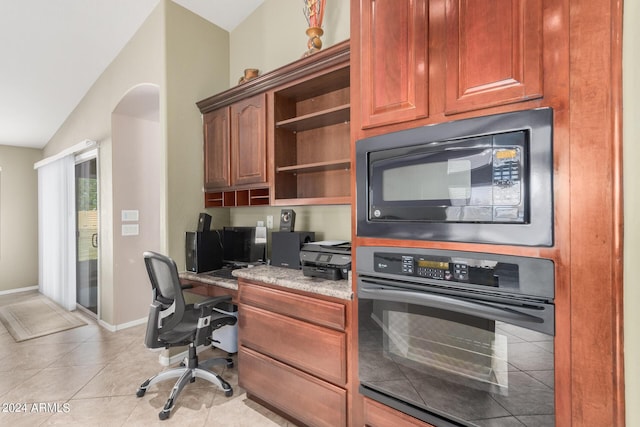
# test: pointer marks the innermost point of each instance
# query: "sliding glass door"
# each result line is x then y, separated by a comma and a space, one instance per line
87, 234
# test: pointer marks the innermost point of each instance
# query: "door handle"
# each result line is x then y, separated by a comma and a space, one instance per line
94, 240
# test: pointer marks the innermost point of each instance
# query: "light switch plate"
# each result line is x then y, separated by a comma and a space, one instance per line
129, 215
130, 229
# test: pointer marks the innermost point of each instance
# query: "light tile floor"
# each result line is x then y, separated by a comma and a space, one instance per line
89, 376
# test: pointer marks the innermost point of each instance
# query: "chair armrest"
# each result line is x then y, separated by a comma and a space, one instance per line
212, 302
151, 336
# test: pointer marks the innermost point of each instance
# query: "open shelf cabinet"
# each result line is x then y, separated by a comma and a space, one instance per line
312, 140
234, 198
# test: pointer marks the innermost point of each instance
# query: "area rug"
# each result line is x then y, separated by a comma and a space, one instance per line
37, 317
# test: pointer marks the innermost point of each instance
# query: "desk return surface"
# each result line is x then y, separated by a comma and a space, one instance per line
284, 277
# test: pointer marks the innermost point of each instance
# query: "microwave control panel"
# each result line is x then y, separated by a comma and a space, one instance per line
507, 173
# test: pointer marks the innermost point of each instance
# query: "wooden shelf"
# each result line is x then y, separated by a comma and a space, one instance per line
317, 167
311, 141
308, 147
330, 116
235, 198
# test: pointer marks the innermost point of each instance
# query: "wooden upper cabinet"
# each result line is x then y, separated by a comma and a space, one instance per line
216, 149
248, 141
494, 53
394, 61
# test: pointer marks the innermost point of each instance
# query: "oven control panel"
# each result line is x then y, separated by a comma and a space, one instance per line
495, 273
451, 269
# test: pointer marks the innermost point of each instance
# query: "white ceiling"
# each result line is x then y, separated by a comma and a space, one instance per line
52, 51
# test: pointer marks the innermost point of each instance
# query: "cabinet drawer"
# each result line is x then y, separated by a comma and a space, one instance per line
314, 310
314, 349
379, 415
312, 401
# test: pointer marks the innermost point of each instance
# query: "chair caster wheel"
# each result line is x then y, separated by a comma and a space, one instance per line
163, 415
228, 393
141, 392
230, 364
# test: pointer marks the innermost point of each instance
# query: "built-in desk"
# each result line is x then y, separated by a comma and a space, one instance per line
204, 284
294, 334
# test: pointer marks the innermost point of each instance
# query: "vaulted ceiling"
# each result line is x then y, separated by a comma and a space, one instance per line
52, 51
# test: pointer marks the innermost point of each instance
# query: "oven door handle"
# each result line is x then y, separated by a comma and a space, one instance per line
532, 317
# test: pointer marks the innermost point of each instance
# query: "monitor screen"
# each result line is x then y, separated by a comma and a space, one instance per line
239, 245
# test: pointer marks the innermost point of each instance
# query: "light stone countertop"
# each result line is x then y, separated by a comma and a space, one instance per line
285, 277
294, 279
210, 280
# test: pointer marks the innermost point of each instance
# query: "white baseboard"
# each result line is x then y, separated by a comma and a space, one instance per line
114, 328
18, 290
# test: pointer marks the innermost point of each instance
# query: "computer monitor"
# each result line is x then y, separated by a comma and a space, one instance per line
239, 245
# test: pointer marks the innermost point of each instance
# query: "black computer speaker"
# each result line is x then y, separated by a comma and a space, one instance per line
204, 222
285, 247
287, 219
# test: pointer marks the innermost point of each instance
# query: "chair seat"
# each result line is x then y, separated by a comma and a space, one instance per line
183, 333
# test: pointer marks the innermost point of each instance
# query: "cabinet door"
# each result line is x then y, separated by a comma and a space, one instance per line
216, 149
249, 141
307, 398
494, 52
314, 349
394, 61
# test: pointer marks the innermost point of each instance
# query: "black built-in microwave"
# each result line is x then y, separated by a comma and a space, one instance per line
482, 180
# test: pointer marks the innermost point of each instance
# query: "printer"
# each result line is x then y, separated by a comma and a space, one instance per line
326, 259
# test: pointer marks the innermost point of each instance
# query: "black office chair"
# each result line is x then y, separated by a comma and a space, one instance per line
173, 323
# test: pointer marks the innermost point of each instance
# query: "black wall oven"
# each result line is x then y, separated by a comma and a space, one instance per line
483, 180
457, 338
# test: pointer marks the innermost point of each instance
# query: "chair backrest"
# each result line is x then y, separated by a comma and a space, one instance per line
168, 299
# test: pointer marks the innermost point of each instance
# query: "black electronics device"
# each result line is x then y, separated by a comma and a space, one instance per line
285, 247
287, 219
326, 260
203, 251
204, 222
241, 246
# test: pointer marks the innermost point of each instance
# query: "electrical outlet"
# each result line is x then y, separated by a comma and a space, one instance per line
269, 221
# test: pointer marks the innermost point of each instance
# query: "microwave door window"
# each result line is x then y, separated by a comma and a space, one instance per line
439, 182
454, 185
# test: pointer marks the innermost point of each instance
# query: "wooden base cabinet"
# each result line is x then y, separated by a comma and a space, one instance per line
293, 353
299, 395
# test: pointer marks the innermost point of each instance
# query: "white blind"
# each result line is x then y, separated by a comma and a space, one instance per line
56, 226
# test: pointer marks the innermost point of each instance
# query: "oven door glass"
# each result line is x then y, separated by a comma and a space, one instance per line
453, 361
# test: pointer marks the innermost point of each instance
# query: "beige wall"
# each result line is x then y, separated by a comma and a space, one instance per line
631, 158
141, 61
137, 148
187, 58
197, 66
274, 35
271, 37
328, 222
18, 218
